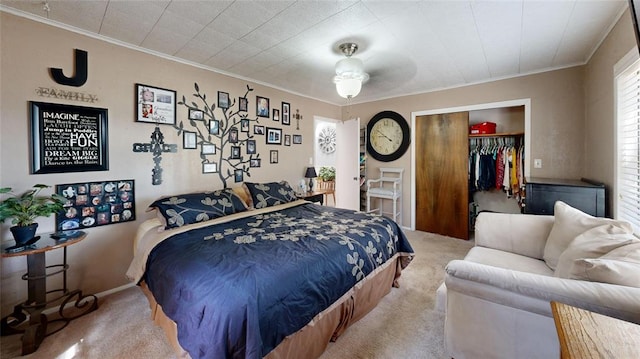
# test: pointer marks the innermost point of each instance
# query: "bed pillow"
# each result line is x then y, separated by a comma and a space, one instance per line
198, 207
621, 266
270, 194
591, 244
568, 224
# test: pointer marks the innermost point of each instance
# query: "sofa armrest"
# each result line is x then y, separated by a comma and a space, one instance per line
524, 234
534, 292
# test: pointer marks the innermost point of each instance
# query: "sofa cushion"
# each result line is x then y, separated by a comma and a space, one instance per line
593, 243
507, 260
620, 266
569, 223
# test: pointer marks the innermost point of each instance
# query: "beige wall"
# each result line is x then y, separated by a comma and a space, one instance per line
599, 147
557, 115
100, 261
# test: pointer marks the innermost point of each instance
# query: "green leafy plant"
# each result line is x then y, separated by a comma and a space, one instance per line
25, 208
327, 173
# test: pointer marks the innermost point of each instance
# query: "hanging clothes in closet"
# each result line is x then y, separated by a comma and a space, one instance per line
496, 163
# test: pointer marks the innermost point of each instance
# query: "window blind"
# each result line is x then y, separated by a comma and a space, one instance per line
628, 145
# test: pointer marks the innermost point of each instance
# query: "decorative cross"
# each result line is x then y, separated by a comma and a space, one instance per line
298, 117
156, 146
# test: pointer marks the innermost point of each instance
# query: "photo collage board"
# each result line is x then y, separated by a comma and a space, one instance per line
92, 204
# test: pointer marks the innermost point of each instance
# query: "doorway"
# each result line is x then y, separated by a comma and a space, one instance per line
419, 116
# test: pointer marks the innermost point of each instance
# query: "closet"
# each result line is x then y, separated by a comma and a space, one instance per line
446, 198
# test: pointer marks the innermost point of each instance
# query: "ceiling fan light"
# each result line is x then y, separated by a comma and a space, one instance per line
349, 65
348, 87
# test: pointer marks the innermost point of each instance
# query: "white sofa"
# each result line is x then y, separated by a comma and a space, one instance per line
497, 299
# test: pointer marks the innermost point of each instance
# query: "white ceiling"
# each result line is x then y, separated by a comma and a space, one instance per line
407, 46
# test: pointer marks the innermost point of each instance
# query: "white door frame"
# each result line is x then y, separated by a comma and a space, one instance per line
526, 102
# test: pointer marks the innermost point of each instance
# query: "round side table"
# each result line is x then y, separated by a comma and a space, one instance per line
37, 301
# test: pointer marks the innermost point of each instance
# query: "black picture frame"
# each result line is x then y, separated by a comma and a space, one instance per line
197, 115
251, 147
243, 104
255, 162
66, 138
235, 153
274, 136
223, 99
92, 204
287, 140
238, 176
262, 106
244, 125
273, 156
233, 135
275, 114
189, 140
286, 113
258, 130
209, 167
155, 105
208, 149
297, 139
214, 127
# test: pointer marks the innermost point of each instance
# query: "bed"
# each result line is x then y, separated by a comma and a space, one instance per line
280, 280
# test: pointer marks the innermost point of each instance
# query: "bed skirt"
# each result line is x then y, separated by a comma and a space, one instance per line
312, 340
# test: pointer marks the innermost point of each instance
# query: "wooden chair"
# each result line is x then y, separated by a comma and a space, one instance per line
329, 188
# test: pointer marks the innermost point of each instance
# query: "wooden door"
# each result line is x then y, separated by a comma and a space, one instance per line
348, 164
442, 189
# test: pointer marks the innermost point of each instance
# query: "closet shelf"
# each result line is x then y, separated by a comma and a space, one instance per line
503, 134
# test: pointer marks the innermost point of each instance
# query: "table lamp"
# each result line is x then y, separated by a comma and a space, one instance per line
310, 174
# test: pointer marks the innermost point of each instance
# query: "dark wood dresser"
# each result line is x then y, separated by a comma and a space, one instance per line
542, 194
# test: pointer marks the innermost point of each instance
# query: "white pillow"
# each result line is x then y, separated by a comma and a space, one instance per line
593, 243
621, 266
568, 224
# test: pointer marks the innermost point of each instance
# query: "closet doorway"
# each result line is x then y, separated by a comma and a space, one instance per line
440, 159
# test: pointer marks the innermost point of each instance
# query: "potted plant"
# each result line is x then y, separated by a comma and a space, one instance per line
25, 208
327, 173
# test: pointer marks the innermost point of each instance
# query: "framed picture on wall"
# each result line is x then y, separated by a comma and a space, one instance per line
155, 105
208, 149
238, 176
273, 156
210, 167
276, 114
66, 138
243, 104
258, 130
251, 147
214, 127
189, 140
262, 106
254, 162
274, 136
223, 99
196, 114
286, 113
297, 139
287, 140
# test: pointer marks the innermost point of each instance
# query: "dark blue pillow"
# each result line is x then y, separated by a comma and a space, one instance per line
198, 207
270, 194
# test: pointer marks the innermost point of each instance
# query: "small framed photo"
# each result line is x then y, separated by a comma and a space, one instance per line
273, 156
244, 125
286, 113
243, 104
196, 114
155, 105
233, 135
262, 106
258, 130
287, 140
189, 140
214, 127
235, 152
276, 114
238, 176
251, 147
254, 162
208, 149
223, 99
297, 139
209, 167
274, 136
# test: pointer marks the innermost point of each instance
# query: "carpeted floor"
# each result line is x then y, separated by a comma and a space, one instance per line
404, 324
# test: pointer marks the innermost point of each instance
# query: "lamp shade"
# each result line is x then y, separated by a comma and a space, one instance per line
310, 173
348, 88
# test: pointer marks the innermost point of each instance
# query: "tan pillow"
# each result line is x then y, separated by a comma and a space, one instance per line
244, 195
568, 224
621, 266
593, 243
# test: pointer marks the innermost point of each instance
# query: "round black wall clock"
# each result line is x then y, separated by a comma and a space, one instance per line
388, 136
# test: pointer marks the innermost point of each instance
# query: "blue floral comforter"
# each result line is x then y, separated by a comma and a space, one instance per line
237, 289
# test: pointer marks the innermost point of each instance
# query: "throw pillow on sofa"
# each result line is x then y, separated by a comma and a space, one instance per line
621, 266
568, 223
591, 244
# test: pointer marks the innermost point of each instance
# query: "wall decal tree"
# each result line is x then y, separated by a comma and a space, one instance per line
229, 164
